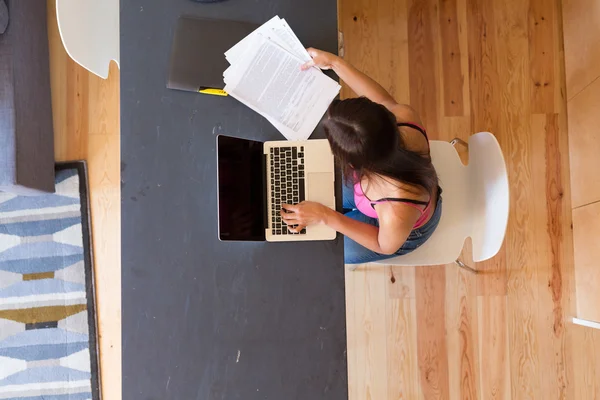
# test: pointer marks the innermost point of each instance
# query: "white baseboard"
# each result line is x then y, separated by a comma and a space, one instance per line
586, 322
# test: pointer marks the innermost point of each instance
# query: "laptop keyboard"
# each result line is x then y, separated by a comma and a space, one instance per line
287, 184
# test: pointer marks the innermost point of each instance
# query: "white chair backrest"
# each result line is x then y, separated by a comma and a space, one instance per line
475, 203
89, 30
488, 181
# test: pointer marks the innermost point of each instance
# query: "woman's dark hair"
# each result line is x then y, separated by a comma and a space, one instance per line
364, 138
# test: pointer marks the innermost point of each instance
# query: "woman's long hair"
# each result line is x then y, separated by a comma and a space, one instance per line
364, 138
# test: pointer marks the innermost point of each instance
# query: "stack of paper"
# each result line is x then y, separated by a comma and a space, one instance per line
265, 75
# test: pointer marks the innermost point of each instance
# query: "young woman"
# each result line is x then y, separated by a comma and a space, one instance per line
392, 200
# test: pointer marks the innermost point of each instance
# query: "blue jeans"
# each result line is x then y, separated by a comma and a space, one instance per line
355, 253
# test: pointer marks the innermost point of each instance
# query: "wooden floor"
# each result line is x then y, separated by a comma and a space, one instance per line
440, 332
86, 127
416, 333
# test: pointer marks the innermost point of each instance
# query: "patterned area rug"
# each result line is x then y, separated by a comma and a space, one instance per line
47, 315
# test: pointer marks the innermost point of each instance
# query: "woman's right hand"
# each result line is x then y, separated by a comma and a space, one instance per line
320, 58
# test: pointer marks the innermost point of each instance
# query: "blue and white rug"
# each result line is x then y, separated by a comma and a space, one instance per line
47, 320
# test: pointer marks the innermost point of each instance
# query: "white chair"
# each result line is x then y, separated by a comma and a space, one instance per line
475, 204
89, 30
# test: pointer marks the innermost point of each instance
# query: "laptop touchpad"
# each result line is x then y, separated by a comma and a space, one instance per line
321, 188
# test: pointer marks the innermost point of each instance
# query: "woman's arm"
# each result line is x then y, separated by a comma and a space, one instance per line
382, 240
393, 229
360, 83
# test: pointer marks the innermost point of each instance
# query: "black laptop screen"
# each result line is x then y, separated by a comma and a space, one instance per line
241, 189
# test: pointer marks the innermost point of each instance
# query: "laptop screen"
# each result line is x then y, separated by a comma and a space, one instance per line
242, 192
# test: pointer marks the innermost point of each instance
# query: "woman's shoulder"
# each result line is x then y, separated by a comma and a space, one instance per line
414, 136
405, 113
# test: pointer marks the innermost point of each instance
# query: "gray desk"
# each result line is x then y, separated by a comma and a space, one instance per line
204, 319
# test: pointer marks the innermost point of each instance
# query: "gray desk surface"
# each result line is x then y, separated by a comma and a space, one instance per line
204, 319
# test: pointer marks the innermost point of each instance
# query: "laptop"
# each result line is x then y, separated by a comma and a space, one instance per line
197, 60
255, 178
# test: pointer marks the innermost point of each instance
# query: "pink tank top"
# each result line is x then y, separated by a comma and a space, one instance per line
367, 207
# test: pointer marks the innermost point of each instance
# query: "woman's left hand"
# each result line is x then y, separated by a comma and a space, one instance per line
304, 214
320, 58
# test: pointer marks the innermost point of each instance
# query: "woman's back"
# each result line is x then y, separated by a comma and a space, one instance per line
376, 187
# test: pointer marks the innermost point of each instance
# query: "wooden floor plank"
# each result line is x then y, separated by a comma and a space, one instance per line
359, 19
103, 116
542, 46
494, 377
367, 350
431, 332
462, 333
423, 63
392, 39
353, 322
463, 42
453, 75
105, 200
551, 266
77, 111
453, 297
522, 271
402, 365
522, 264
484, 19
483, 68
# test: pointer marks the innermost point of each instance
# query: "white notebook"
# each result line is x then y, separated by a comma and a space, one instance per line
265, 75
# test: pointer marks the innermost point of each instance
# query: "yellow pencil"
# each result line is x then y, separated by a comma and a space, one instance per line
213, 91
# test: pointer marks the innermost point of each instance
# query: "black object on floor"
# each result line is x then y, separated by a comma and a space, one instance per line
26, 129
204, 319
3, 16
197, 58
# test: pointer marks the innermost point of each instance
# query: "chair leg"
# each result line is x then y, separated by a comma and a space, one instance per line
456, 141
465, 267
